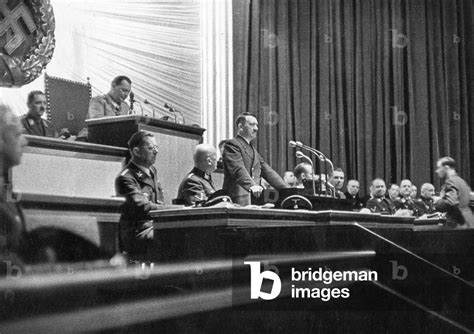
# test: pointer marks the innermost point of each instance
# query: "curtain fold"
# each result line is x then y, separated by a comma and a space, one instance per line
383, 88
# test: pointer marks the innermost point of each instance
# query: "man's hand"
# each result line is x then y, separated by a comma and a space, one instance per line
256, 190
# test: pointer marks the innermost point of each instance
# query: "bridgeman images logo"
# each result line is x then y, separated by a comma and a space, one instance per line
324, 283
256, 281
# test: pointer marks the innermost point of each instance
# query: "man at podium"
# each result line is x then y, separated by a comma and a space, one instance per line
243, 166
113, 103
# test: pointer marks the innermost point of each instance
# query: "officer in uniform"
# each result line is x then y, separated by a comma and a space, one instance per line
425, 203
32, 122
139, 185
379, 203
197, 185
406, 202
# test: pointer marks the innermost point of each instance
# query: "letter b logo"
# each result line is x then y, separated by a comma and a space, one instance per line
256, 280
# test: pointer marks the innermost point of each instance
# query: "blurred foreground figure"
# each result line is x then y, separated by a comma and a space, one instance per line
12, 227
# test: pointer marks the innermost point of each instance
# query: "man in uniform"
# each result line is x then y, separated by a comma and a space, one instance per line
243, 165
352, 194
113, 103
406, 202
425, 203
197, 185
139, 185
336, 178
379, 203
32, 122
455, 195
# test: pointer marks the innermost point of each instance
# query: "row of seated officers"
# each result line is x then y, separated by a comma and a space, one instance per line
245, 172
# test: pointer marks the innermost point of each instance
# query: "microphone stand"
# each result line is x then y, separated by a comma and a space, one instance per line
322, 158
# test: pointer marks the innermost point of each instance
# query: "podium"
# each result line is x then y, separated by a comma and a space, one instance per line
176, 143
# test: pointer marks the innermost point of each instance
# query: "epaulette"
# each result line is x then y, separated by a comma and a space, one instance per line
190, 175
125, 171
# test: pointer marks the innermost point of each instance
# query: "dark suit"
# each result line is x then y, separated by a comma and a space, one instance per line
32, 127
244, 168
142, 193
382, 205
103, 106
455, 202
195, 187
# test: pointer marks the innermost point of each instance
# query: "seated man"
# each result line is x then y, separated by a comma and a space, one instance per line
289, 178
303, 172
455, 195
220, 162
425, 204
352, 194
406, 202
336, 178
113, 103
393, 192
32, 122
197, 185
138, 183
379, 203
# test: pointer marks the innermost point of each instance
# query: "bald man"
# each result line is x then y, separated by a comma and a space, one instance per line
425, 203
197, 185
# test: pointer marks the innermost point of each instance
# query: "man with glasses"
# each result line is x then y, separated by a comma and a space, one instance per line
138, 183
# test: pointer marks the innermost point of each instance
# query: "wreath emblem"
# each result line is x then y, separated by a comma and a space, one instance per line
23, 56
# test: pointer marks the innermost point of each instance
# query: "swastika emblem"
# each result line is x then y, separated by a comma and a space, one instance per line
13, 23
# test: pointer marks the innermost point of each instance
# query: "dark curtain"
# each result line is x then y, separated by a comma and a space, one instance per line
383, 88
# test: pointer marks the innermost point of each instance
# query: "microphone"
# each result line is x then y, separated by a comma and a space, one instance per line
301, 155
318, 154
132, 101
152, 105
169, 107
173, 110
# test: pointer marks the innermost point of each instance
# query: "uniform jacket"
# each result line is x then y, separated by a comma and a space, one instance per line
357, 202
455, 195
142, 193
102, 106
403, 203
382, 205
195, 187
244, 168
425, 206
31, 128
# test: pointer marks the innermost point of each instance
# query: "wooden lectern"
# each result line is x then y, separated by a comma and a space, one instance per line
176, 143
